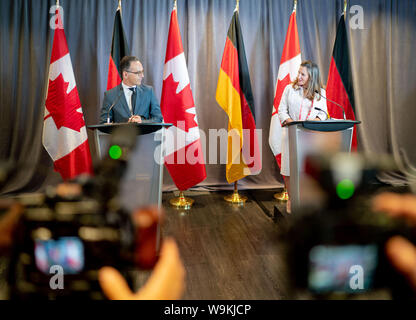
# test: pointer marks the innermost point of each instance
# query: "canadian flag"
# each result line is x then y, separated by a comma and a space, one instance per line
184, 158
64, 132
288, 70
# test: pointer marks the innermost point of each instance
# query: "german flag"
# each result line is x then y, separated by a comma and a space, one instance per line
119, 49
235, 96
339, 86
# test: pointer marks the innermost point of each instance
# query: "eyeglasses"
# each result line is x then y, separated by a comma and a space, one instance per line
139, 73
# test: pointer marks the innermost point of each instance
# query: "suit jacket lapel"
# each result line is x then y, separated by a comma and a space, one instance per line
124, 102
139, 101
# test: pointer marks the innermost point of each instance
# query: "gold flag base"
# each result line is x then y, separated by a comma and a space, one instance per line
182, 202
235, 198
282, 196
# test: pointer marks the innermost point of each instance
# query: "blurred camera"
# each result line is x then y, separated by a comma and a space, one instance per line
71, 240
67, 234
335, 241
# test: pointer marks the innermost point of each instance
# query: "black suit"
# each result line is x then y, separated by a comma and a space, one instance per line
146, 106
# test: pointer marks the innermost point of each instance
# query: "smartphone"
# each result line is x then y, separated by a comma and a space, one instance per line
346, 268
67, 252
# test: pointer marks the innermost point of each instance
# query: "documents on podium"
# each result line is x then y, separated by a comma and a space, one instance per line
143, 179
308, 137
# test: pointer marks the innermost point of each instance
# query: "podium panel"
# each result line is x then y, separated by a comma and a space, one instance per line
309, 137
142, 182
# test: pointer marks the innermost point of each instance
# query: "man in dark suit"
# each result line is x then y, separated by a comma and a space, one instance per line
131, 101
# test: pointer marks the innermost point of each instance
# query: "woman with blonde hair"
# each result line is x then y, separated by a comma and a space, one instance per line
301, 100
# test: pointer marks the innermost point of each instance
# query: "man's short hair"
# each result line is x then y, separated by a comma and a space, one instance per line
125, 63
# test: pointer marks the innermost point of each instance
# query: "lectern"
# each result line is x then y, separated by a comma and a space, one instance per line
307, 137
143, 179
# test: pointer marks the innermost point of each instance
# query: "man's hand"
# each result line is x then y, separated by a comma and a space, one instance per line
135, 119
167, 281
401, 252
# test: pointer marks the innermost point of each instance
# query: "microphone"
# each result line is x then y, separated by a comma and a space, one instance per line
111, 107
342, 108
326, 113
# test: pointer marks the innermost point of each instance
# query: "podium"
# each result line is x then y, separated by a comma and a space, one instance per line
142, 182
308, 137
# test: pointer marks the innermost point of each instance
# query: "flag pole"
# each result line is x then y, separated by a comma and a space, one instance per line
119, 6
345, 9
235, 198
181, 202
284, 196
57, 3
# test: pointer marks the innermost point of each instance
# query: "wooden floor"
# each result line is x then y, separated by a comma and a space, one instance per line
229, 252
232, 252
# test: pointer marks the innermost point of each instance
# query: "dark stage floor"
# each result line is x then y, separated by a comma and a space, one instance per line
233, 252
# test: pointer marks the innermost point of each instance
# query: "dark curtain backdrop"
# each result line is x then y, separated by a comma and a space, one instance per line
382, 59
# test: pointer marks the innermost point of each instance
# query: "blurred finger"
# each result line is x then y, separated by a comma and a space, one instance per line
8, 225
113, 284
402, 255
396, 204
167, 281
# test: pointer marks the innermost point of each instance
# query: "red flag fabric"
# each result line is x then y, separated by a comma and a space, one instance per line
184, 157
64, 131
288, 70
119, 49
339, 86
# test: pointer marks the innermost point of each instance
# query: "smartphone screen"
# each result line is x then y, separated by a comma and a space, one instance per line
67, 252
348, 268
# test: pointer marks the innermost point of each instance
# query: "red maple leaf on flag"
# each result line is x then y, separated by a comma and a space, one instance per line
63, 107
178, 103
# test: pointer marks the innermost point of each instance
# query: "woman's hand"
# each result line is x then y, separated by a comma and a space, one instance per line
287, 121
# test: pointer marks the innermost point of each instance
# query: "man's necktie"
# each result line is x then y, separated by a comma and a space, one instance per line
133, 98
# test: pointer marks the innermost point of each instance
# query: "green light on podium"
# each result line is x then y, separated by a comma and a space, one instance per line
115, 152
345, 189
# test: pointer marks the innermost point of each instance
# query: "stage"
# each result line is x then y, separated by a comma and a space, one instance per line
232, 252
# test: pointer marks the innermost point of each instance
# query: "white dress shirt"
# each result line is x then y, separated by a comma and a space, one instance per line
128, 94
295, 106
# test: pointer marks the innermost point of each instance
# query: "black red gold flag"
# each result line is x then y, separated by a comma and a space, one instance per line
119, 49
339, 86
235, 96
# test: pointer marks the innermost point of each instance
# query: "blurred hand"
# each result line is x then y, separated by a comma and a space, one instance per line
9, 222
167, 281
400, 251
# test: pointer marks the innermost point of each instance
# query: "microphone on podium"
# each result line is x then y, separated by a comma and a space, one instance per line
111, 107
326, 113
342, 108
